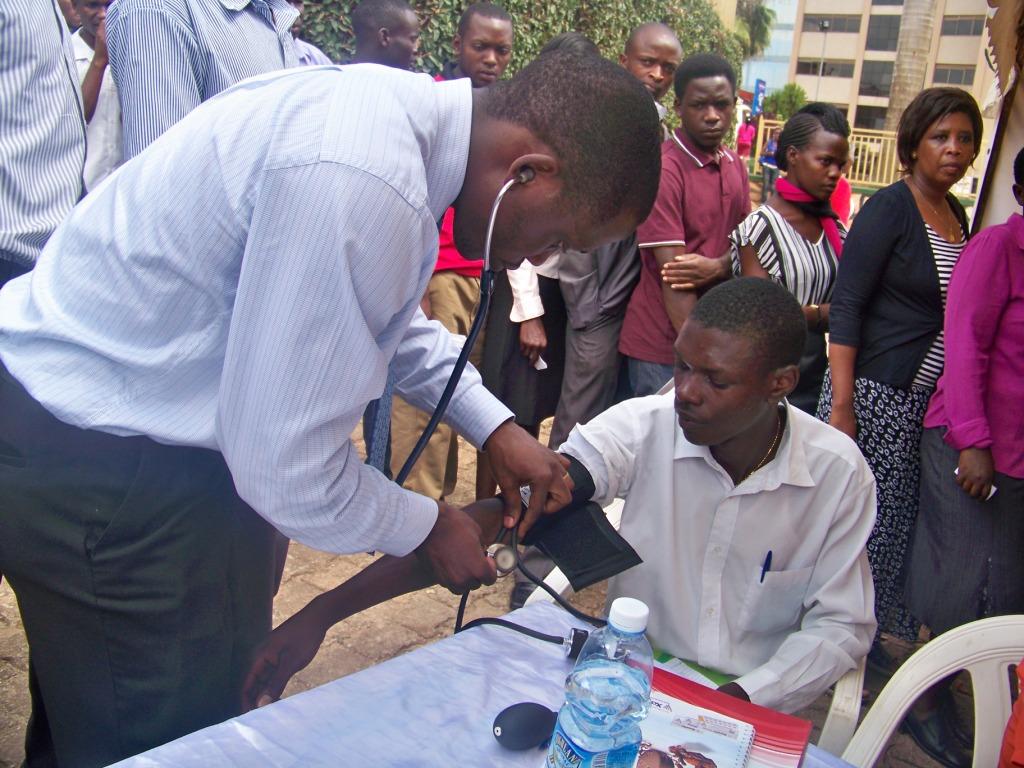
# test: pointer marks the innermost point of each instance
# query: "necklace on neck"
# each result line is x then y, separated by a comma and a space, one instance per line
952, 234
771, 448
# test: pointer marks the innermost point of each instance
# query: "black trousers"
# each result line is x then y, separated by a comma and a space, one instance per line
143, 581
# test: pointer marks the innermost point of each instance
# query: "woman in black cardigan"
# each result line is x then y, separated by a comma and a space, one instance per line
886, 348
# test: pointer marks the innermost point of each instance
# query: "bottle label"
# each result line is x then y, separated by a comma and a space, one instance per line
564, 753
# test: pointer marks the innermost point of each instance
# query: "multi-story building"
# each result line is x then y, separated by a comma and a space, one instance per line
772, 66
844, 52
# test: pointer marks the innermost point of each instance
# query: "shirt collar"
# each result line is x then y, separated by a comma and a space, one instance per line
449, 151
789, 467
285, 13
681, 140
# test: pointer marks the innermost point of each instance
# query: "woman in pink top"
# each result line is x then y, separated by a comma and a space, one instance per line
967, 559
745, 138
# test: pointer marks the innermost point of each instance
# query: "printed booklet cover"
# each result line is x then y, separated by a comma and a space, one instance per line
677, 734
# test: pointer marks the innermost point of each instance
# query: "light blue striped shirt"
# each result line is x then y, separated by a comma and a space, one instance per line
243, 284
42, 127
169, 56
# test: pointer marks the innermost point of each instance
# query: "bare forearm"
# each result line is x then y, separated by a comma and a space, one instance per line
842, 360
91, 87
389, 577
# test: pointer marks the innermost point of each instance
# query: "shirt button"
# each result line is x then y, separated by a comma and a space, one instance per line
717, 550
711, 611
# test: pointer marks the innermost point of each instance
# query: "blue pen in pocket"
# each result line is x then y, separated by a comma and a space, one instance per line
767, 565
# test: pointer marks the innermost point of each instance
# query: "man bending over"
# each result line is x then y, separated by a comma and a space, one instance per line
750, 516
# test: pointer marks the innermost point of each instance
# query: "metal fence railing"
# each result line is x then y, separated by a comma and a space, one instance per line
873, 160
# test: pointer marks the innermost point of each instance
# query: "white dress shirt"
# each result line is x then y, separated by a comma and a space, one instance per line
244, 283
103, 132
526, 302
704, 544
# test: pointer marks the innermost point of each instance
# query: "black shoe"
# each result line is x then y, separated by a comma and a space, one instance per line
954, 722
931, 735
520, 593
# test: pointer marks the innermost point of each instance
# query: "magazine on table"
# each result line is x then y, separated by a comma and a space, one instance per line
779, 740
677, 734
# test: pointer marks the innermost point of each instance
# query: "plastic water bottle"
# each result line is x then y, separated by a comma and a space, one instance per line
607, 695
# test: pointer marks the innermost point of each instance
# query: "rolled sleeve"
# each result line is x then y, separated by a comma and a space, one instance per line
526, 302
607, 446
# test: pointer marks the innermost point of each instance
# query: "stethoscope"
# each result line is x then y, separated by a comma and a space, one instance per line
486, 289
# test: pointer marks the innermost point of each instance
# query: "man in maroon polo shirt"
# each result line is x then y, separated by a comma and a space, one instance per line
483, 48
703, 195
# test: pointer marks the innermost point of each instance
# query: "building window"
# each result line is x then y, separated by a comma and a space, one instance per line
948, 75
835, 23
876, 78
827, 68
883, 33
870, 118
963, 26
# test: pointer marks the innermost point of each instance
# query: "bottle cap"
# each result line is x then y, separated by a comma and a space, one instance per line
628, 614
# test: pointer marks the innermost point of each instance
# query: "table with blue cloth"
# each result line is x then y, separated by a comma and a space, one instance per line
431, 707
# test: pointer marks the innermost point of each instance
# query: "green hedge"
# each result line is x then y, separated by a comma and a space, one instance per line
326, 24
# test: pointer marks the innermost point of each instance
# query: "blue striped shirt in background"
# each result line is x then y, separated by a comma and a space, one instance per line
169, 56
42, 127
244, 283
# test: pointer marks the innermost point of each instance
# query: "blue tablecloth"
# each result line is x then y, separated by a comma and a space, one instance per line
431, 707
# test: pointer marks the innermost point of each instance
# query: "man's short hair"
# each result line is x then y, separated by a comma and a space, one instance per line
372, 15
485, 9
638, 30
759, 310
604, 129
571, 42
703, 65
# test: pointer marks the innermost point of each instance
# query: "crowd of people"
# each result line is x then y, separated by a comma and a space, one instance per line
207, 283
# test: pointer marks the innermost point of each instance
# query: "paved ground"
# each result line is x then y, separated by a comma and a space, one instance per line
359, 642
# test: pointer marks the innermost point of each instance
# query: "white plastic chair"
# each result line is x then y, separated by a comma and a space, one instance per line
844, 711
984, 648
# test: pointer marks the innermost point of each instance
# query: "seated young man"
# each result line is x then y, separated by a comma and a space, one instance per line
750, 516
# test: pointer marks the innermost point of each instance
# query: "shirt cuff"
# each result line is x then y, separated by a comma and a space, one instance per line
756, 683
475, 413
662, 244
971, 434
418, 515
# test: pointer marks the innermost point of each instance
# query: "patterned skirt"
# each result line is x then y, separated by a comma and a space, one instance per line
889, 426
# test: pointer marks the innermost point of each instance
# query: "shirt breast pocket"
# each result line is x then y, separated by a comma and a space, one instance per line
774, 604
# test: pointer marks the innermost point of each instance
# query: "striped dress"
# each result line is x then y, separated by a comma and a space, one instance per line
804, 268
945, 254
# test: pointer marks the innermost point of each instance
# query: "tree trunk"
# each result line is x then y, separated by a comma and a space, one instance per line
908, 76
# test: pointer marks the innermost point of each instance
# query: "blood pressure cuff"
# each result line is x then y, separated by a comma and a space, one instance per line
579, 538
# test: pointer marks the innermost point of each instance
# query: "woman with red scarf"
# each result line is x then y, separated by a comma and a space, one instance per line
795, 238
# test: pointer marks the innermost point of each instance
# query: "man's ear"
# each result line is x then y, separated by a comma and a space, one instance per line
677, 107
533, 168
457, 45
1018, 193
783, 381
622, 59
383, 37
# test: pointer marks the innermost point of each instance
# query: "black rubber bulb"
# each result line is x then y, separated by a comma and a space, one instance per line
524, 726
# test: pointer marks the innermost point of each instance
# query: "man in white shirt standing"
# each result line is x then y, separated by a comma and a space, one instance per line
99, 93
185, 366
